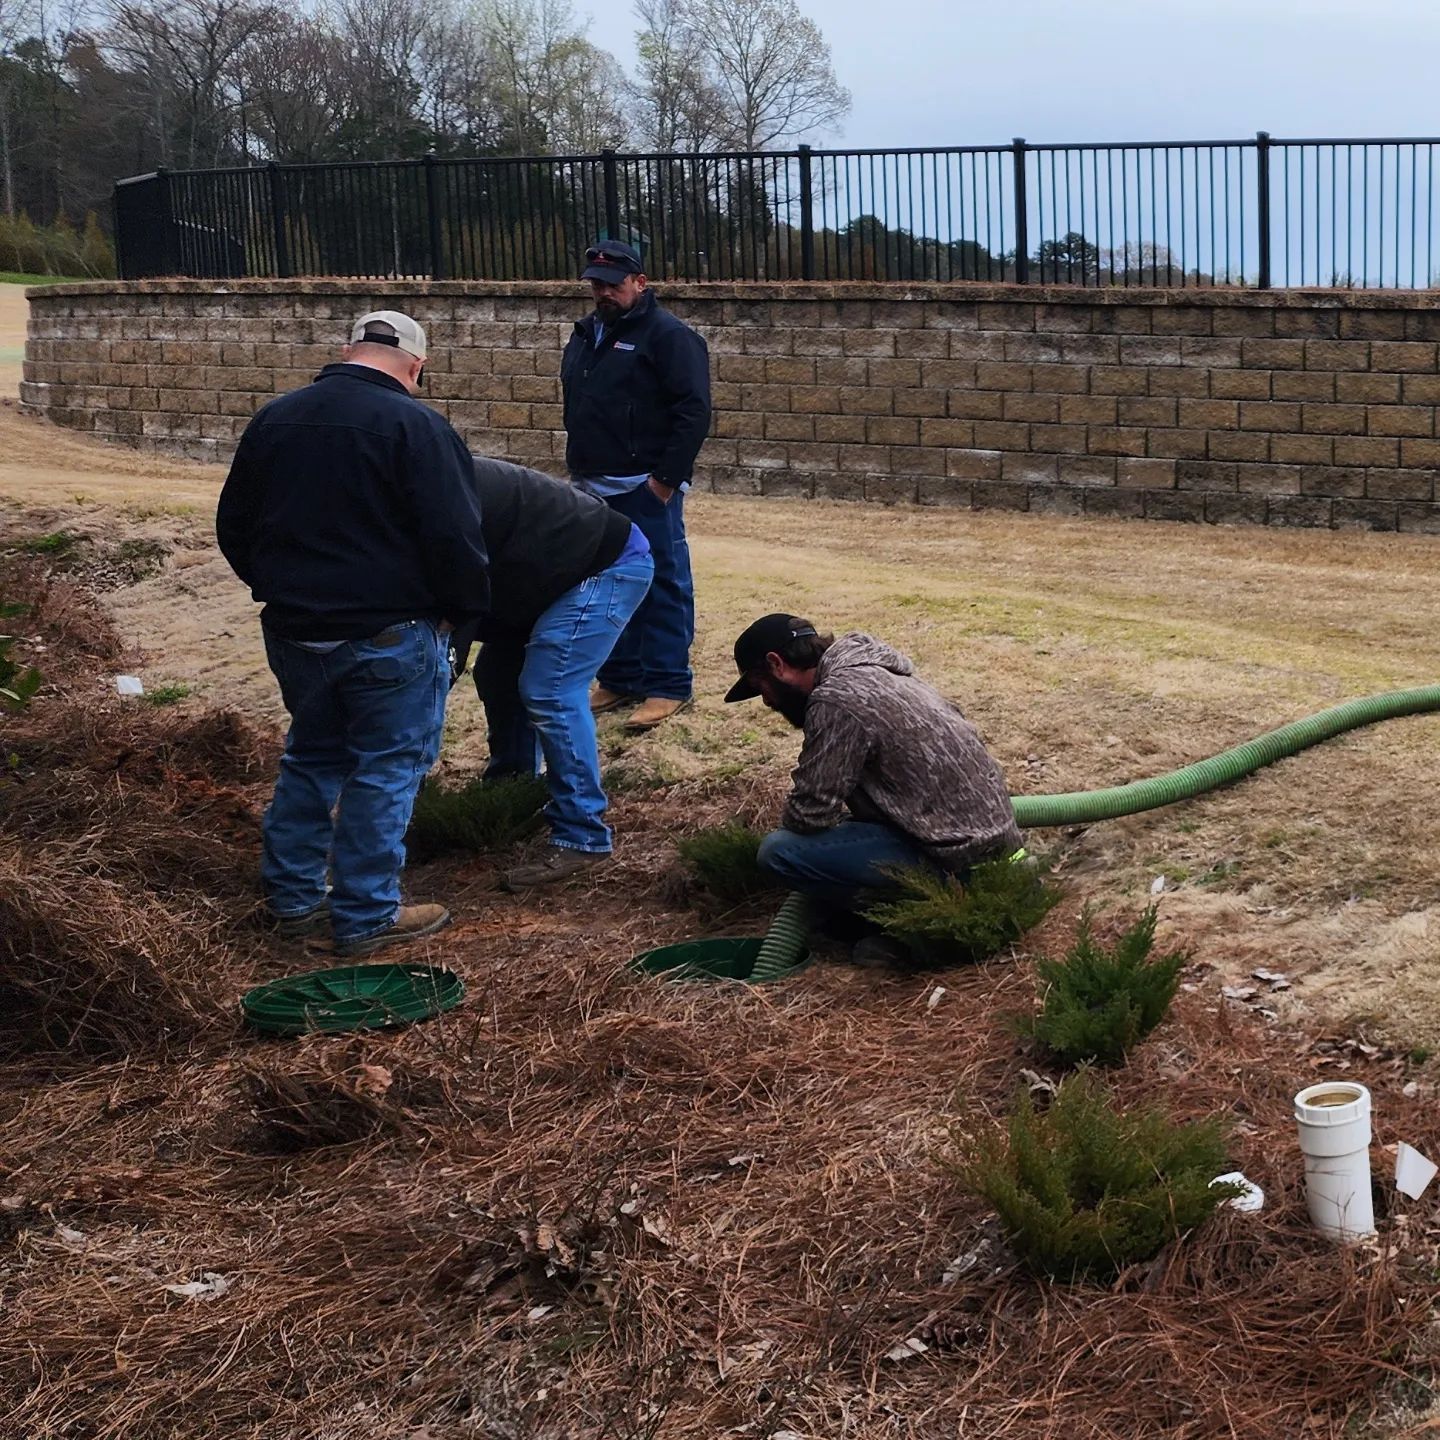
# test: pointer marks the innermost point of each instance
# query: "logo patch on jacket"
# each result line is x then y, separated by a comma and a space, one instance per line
621, 345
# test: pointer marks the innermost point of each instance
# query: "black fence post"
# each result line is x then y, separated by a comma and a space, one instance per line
117, 225
1262, 209
169, 239
432, 215
1022, 219
807, 217
612, 195
279, 229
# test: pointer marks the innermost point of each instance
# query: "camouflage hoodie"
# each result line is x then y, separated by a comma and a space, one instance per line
884, 746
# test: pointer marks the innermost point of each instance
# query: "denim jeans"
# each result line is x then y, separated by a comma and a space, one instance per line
842, 867
536, 694
365, 726
652, 656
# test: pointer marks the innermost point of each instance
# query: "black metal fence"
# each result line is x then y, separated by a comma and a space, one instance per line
1256, 212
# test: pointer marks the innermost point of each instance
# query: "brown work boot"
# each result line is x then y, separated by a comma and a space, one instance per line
655, 712
411, 923
603, 700
558, 863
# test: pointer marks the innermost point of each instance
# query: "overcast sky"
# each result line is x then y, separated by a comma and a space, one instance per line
957, 72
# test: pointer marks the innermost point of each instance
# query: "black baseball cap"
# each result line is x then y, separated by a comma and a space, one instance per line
611, 261
769, 632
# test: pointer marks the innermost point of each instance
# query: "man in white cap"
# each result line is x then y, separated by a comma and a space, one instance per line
350, 511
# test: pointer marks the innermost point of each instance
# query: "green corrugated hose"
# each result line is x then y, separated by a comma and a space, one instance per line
786, 940
1083, 806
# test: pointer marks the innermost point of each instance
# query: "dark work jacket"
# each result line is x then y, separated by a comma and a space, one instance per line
543, 538
350, 507
640, 404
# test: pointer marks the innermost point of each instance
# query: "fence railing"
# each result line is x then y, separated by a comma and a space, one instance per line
1255, 212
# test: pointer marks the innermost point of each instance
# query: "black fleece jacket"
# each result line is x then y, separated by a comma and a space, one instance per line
640, 403
543, 537
349, 507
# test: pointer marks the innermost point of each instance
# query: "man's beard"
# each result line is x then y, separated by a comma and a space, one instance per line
608, 311
789, 701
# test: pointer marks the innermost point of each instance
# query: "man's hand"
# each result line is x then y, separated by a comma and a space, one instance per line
663, 493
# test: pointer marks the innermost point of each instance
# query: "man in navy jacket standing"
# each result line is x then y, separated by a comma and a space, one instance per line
636, 386
350, 510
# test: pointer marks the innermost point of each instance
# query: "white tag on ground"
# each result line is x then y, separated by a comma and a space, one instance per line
1413, 1171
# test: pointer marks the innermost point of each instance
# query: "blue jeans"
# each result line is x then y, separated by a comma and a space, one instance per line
652, 656
536, 694
839, 866
365, 725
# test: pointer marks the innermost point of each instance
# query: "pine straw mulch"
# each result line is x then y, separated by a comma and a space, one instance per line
583, 1204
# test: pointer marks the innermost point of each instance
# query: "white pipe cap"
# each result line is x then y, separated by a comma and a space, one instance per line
1332, 1102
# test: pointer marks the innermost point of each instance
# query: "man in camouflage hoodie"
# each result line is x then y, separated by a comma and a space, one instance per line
890, 774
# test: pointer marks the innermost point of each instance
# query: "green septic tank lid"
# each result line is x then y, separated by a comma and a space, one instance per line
353, 997
706, 960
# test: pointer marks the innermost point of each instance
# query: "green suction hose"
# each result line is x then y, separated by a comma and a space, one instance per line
1082, 806
786, 940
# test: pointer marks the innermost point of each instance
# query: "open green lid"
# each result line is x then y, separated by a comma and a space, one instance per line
707, 960
353, 997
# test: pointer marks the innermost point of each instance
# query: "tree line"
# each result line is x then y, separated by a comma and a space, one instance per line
866, 248
91, 90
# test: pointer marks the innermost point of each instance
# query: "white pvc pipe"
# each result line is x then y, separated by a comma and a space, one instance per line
1334, 1122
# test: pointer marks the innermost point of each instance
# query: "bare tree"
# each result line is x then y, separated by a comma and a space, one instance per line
191, 54
679, 103
382, 41
92, 89
588, 113
455, 68
372, 80
54, 25
556, 90
772, 68
16, 16
291, 86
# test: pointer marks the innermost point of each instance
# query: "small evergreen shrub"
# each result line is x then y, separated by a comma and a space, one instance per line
18, 682
947, 922
1099, 1001
479, 815
723, 860
1083, 1189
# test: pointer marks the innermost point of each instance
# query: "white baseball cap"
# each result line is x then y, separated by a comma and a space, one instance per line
409, 335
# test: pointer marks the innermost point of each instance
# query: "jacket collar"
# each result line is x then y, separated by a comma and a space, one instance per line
368, 373
638, 311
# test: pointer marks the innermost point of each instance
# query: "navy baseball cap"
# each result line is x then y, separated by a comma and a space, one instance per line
611, 261
769, 632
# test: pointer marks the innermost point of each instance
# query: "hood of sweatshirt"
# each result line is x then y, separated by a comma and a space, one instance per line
857, 651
